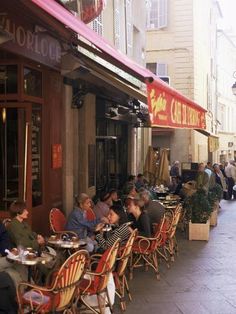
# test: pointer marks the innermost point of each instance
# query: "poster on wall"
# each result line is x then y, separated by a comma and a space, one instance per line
56, 156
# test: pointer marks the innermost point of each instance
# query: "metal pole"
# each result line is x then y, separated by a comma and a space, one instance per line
25, 160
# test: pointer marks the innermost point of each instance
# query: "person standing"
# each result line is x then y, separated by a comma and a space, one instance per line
220, 179
202, 179
230, 172
175, 171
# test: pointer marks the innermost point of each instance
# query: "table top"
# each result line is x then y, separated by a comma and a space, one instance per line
66, 244
44, 258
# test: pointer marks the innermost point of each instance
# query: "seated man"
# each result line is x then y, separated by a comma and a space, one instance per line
154, 209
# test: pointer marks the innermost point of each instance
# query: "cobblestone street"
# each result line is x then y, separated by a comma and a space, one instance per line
202, 280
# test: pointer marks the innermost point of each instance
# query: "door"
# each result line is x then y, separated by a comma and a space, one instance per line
106, 163
15, 154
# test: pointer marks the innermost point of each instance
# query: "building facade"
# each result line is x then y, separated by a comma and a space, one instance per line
68, 117
226, 65
181, 45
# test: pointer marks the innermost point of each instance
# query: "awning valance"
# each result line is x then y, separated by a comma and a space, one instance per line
180, 111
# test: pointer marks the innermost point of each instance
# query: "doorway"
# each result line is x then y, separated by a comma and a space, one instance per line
15, 154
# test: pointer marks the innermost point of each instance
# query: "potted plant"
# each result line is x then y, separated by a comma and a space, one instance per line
215, 194
198, 211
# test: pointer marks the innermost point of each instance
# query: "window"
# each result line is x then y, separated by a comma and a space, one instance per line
152, 67
32, 82
160, 69
156, 14
8, 79
129, 27
97, 25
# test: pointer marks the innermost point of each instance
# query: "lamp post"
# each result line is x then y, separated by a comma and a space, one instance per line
234, 85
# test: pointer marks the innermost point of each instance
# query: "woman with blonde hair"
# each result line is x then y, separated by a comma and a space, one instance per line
78, 219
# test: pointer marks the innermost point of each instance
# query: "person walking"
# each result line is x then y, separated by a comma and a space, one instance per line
230, 172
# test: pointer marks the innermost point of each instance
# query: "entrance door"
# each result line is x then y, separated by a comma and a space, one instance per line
106, 163
15, 154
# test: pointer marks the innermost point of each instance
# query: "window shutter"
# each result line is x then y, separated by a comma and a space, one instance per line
129, 27
162, 14
117, 24
97, 25
161, 69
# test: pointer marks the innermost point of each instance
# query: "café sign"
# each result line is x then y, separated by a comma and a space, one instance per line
30, 41
169, 108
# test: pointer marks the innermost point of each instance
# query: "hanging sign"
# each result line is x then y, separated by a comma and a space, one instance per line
169, 108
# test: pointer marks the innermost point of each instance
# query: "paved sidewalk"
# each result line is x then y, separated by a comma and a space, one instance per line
202, 280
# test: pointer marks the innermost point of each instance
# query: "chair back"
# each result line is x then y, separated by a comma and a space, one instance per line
67, 278
125, 253
57, 220
105, 267
175, 220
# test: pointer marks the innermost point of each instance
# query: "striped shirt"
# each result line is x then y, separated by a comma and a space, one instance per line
105, 242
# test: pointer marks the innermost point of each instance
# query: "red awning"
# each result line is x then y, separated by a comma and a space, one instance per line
160, 95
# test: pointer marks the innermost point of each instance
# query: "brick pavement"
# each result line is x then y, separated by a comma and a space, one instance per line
202, 280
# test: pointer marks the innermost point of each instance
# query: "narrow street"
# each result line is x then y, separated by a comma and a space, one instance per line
202, 279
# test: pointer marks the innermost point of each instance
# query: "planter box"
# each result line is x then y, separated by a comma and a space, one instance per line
213, 218
199, 231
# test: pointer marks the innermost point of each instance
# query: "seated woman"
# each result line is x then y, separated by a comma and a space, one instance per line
19, 231
139, 218
78, 220
120, 229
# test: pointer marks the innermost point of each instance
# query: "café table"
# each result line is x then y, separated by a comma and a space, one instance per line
66, 244
29, 260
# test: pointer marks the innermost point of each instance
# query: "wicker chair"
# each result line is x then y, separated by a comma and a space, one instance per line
59, 296
171, 242
119, 273
96, 281
144, 252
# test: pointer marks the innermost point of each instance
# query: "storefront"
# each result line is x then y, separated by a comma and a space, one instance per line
30, 115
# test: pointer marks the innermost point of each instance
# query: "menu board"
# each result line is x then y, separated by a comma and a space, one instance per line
36, 155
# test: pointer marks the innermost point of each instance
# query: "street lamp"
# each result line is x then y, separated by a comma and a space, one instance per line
234, 85
234, 88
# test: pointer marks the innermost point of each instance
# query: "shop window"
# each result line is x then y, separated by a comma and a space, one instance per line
36, 155
8, 79
32, 82
157, 14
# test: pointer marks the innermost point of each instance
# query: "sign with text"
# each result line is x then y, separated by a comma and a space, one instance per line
30, 41
169, 108
56, 156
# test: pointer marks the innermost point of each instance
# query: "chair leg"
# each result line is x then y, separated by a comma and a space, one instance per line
101, 304
108, 301
127, 288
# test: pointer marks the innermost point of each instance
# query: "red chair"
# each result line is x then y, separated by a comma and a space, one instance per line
98, 280
119, 273
59, 296
57, 220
